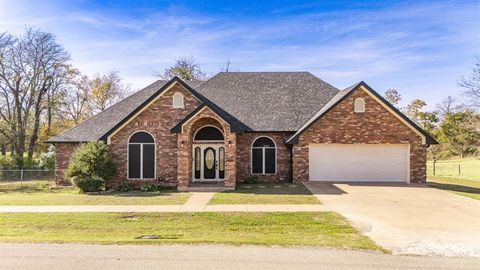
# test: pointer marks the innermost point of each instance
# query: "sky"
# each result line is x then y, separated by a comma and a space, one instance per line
420, 48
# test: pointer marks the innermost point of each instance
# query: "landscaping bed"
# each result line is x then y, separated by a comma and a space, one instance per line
327, 229
45, 193
284, 193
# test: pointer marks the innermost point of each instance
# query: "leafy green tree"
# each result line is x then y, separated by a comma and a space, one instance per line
459, 133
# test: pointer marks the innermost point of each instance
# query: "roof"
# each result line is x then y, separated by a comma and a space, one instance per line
248, 101
268, 101
98, 125
339, 97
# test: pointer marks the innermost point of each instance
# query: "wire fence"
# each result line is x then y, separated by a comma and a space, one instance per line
25, 175
456, 168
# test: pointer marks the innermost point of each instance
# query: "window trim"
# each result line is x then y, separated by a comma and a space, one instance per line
359, 105
208, 141
141, 156
263, 156
181, 101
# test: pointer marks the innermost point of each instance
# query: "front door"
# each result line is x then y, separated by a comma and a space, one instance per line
208, 163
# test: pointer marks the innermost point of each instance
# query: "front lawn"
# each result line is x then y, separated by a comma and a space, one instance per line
463, 187
44, 193
312, 228
266, 194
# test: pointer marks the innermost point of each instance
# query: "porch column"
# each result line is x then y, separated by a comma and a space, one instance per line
184, 156
231, 160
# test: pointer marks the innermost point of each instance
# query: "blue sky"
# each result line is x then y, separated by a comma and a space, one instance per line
420, 48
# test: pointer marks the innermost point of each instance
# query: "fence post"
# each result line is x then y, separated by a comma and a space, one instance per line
21, 177
434, 161
459, 170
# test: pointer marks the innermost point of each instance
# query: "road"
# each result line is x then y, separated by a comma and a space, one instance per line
79, 256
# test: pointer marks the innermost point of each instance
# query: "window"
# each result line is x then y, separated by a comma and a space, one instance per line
264, 156
208, 133
177, 100
141, 156
359, 105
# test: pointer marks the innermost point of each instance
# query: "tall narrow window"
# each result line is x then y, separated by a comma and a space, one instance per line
141, 156
221, 163
197, 162
264, 156
359, 106
177, 100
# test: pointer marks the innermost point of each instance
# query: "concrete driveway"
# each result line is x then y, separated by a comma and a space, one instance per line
408, 219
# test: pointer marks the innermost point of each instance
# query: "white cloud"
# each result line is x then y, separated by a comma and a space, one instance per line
419, 48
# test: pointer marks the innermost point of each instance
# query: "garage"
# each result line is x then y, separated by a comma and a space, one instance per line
359, 162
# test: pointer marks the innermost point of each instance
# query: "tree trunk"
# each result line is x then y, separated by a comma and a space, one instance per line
4, 149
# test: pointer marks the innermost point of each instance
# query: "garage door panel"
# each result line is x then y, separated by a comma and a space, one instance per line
358, 162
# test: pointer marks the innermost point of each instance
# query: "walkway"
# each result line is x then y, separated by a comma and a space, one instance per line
198, 202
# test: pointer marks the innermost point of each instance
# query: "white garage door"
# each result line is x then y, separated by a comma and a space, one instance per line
359, 162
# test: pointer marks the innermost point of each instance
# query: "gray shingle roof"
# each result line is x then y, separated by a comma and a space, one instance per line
96, 126
268, 101
259, 101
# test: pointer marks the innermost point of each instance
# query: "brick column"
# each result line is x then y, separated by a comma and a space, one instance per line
184, 160
231, 160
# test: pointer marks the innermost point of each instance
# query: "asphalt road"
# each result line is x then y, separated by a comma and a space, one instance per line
76, 256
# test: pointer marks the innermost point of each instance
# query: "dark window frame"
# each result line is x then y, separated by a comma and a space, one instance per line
142, 155
262, 149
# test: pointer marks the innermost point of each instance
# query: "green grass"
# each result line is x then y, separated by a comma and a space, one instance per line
463, 187
308, 228
469, 168
42, 193
266, 194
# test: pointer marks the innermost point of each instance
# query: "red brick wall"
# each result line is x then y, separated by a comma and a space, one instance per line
63, 152
376, 125
244, 163
157, 119
185, 141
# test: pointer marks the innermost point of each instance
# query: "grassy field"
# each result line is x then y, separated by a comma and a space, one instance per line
42, 193
266, 194
316, 228
463, 187
469, 168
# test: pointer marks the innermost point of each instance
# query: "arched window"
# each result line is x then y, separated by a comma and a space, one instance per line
208, 133
177, 100
141, 156
359, 105
264, 156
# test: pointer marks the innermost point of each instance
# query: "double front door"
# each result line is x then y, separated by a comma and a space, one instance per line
208, 162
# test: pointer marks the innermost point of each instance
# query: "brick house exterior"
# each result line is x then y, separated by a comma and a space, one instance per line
287, 127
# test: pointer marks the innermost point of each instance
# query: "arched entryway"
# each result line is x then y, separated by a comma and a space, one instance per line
208, 154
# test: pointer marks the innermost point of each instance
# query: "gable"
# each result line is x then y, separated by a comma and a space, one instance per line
160, 110
342, 108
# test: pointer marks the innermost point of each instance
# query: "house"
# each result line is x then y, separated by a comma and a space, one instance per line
275, 126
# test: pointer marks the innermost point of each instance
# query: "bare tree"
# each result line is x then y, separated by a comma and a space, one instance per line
472, 85
186, 68
392, 96
30, 66
106, 90
76, 106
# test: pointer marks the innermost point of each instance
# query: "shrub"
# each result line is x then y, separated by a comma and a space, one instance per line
125, 186
149, 186
47, 160
92, 160
89, 184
